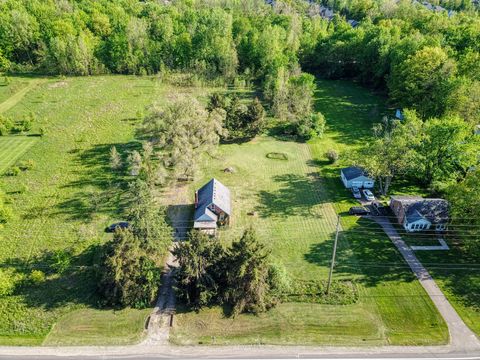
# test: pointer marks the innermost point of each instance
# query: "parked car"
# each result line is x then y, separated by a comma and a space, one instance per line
119, 225
368, 195
379, 208
359, 210
356, 193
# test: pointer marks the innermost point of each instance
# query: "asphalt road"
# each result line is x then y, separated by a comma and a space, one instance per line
235, 352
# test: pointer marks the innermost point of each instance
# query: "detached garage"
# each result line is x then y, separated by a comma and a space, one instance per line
354, 176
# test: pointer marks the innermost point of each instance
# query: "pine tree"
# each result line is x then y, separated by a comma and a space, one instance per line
247, 276
115, 159
129, 275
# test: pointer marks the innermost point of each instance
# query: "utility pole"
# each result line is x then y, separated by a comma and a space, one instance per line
333, 255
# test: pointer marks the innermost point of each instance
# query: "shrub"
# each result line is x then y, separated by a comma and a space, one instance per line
311, 126
25, 165
5, 213
36, 277
332, 156
13, 171
6, 125
7, 282
59, 261
314, 291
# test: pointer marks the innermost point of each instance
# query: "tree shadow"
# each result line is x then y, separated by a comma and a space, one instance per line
75, 284
296, 196
364, 253
97, 189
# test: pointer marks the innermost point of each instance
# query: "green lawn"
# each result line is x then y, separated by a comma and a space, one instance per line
68, 198
295, 214
98, 327
457, 273
12, 148
14, 85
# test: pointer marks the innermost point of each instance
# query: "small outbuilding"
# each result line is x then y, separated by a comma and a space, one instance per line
212, 207
415, 213
356, 177
399, 114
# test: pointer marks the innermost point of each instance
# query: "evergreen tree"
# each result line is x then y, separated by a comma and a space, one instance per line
115, 159
200, 273
247, 275
129, 275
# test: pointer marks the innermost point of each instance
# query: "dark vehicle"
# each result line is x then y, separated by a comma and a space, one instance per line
359, 210
379, 208
119, 225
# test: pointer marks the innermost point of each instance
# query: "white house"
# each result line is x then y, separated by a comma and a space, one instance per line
354, 176
415, 213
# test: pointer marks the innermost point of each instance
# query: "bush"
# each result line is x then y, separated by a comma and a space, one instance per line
59, 261
332, 156
7, 282
25, 165
341, 292
6, 125
13, 171
311, 126
36, 277
5, 214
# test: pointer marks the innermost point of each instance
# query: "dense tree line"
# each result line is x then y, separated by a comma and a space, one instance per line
241, 276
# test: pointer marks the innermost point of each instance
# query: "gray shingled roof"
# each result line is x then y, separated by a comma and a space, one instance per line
353, 172
213, 192
433, 210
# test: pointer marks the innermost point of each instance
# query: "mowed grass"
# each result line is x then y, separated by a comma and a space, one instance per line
12, 148
295, 203
99, 327
67, 199
14, 84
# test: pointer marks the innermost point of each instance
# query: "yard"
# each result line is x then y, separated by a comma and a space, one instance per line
294, 202
62, 205
12, 148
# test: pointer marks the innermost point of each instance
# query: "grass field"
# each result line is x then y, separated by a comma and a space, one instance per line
70, 196
12, 148
14, 85
97, 327
296, 213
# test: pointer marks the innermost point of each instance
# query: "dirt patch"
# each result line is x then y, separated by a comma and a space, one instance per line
58, 84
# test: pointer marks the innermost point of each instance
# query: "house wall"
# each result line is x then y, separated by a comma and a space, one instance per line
398, 210
419, 225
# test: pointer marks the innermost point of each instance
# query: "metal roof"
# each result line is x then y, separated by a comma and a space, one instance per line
212, 193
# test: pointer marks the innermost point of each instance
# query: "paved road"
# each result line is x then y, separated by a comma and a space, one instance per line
140, 352
461, 337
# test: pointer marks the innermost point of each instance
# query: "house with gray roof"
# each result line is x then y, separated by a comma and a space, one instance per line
212, 207
415, 213
356, 177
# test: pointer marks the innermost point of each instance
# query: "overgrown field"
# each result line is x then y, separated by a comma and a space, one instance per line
293, 201
63, 204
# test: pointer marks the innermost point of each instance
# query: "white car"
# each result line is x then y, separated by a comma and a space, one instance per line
356, 193
368, 195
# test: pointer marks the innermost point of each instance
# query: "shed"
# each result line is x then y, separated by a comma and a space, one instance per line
477, 129
356, 177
